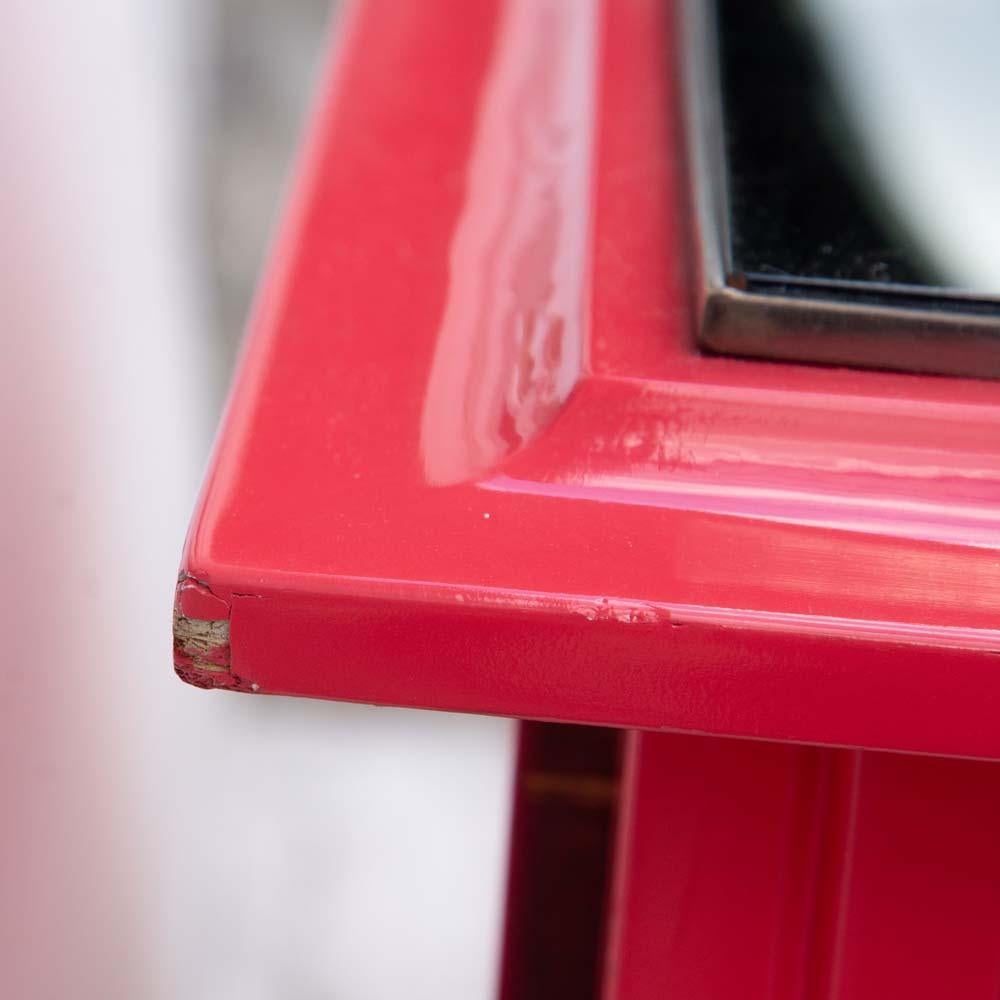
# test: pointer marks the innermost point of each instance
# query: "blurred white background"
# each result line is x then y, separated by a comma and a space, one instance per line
921, 87
158, 841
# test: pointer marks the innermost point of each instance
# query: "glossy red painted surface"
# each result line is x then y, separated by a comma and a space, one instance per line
473, 461
773, 871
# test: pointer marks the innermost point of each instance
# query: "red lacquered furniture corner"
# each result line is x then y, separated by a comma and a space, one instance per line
474, 461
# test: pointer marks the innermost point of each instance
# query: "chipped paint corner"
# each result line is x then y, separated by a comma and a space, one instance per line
202, 651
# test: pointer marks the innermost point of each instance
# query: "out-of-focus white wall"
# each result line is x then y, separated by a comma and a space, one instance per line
158, 841
921, 86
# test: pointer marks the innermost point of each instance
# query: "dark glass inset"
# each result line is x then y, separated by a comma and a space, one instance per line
802, 202
856, 154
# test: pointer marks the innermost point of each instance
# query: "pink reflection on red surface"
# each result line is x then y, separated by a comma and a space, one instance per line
509, 349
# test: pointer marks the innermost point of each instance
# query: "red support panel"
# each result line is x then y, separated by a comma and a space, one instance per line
775, 872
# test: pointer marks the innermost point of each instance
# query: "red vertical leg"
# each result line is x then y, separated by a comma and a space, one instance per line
759, 870
564, 801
